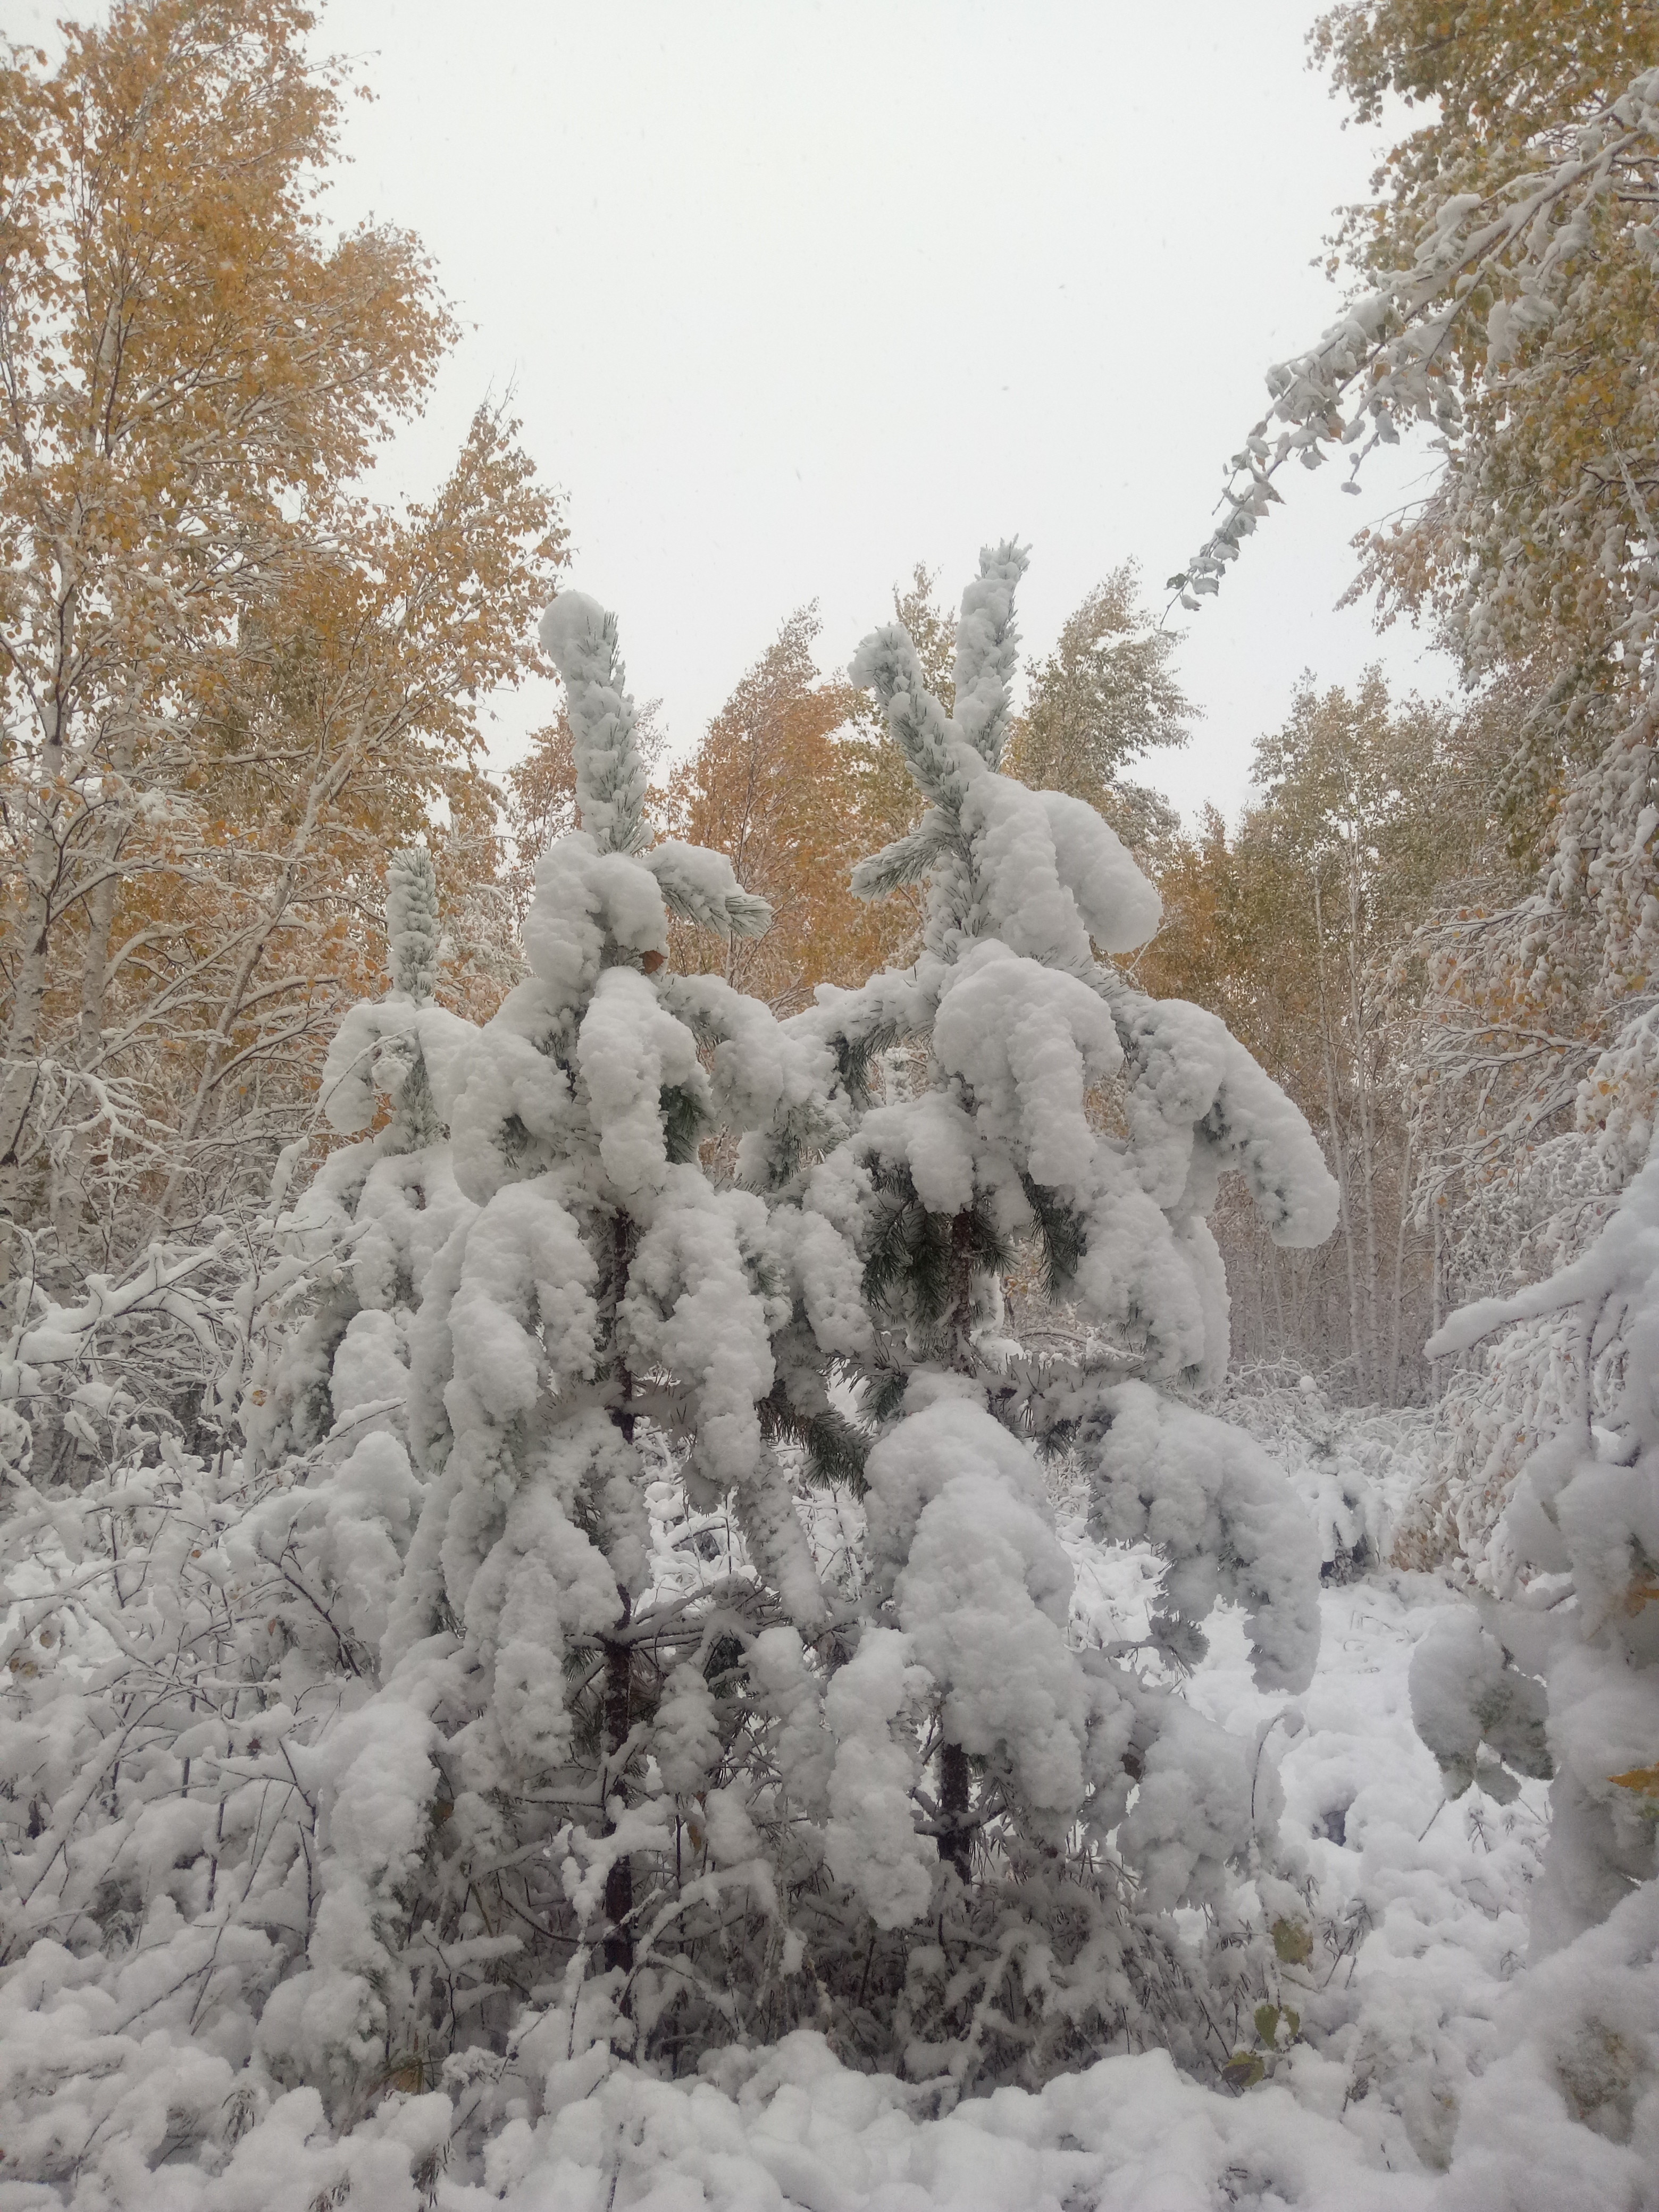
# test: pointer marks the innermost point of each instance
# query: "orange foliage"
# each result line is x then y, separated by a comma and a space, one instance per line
776, 784
231, 682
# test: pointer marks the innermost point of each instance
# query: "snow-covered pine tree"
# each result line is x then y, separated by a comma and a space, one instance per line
623, 1764
556, 1779
376, 1212
1058, 1111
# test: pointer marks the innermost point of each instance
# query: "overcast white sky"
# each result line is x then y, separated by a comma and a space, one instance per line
794, 295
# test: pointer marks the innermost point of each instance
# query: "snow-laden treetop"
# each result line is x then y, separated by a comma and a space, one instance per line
612, 779
1038, 869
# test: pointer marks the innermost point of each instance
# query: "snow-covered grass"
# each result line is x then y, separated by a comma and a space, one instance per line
1403, 2070
1421, 1913
1403, 2007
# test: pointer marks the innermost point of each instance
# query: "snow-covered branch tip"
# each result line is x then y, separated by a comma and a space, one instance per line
987, 649
611, 776
411, 923
1386, 363
697, 885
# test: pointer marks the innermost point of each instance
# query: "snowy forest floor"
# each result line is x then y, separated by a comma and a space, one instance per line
1406, 2089
1420, 1903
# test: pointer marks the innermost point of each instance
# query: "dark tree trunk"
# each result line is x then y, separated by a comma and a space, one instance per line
955, 1781
619, 1882
619, 1659
956, 1793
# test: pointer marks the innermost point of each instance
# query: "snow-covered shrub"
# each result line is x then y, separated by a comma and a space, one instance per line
1357, 1470
194, 1626
1560, 1665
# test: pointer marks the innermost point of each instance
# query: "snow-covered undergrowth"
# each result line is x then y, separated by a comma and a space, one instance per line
1410, 1996
1415, 2061
1357, 1469
1428, 2069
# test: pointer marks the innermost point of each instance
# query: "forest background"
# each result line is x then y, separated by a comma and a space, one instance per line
236, 680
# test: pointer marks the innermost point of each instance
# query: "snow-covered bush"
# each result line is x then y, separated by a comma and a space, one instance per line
194, 1624
1573, 1565
1357, 1470
1557, 1667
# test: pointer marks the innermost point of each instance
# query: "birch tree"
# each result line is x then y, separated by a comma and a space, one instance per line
220, 664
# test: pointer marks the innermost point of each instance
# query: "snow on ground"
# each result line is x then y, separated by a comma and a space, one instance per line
1421, 1908
1378, 2104
1427, 1898
1129, 2136
1435, 1930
